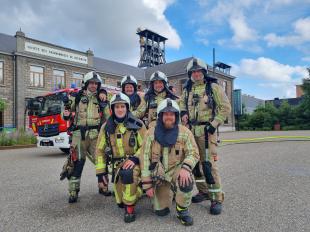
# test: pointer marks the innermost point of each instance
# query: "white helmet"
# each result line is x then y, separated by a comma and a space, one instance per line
196, 64
168, 105
160, 76
92, 76
120, 98
129, 79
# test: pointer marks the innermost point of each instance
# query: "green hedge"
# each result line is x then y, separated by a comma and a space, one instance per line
19, 137
289, 117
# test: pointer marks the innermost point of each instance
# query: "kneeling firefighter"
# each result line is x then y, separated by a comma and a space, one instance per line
119, 143
86, 113
168, 157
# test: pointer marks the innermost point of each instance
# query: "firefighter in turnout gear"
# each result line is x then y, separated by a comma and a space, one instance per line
129, 86
204, 106
168, 156
119, 144
158, 91
85, 109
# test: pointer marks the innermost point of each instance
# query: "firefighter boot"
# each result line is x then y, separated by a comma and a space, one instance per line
184, 216
74, 189
162, 212
73, 196
130, 215
199, 197
216, 207
104, 192
103, 189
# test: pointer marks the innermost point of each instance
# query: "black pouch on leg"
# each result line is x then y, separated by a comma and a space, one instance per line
126, 176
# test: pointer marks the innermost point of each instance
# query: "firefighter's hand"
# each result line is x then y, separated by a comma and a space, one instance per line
184, 177
185, 118
128, 164
102, 97
211, 129
67, 113
150, 192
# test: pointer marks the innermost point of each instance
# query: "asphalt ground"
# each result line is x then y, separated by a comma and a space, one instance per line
267, 188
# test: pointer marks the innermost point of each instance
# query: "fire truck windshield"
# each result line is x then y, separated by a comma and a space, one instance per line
53, 104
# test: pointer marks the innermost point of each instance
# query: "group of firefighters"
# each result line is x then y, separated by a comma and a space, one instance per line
154, 143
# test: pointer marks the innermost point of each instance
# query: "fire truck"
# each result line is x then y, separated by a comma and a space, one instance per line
45, 117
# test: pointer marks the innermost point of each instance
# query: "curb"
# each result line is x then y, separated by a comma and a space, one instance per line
17, 146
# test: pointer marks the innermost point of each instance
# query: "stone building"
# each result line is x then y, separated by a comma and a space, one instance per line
29, 68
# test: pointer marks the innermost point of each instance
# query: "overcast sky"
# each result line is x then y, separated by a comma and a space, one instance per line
267, 43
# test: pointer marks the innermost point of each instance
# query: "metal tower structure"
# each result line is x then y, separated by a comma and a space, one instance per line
152, 48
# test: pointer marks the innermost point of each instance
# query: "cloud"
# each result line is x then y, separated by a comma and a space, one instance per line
279, 79
252, 22
107, 27
232, 14
268, 69
281, 90
301, 35
307, 59
241, 30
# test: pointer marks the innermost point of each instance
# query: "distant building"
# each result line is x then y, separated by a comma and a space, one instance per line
299, 91
291, 101
250, 103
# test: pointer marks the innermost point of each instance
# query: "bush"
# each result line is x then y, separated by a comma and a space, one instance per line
19, 137
3, 104
291, 128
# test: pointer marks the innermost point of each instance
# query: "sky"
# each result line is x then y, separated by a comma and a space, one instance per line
267, 43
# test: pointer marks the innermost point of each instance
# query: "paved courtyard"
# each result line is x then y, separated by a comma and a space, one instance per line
267, 188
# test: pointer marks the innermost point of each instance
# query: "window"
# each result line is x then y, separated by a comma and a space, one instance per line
36, 76
77, 79
119, 84
59, 79
1, 73
224, 85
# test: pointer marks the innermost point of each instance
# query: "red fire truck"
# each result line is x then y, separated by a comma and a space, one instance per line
46, 120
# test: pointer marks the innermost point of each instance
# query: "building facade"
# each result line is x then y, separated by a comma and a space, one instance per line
30, 68
250, 103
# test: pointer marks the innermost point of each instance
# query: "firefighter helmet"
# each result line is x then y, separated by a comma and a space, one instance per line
159, 76
92, 76
120, 98
129, 79
196, 64
168, 105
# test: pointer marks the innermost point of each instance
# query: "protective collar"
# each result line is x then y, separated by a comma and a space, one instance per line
166, 137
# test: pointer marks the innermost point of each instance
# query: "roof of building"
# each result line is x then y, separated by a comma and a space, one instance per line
291, 101
170, 69
118, 69
222, 65
151, 35
7, 43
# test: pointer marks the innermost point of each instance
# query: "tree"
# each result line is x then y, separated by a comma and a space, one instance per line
303, 110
